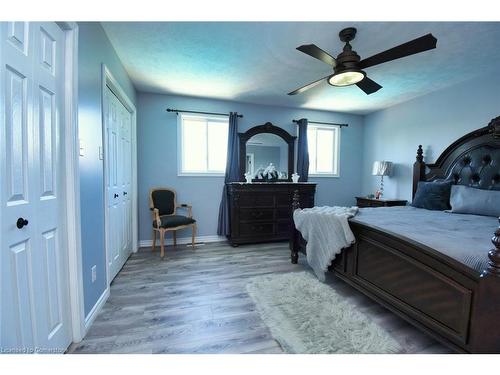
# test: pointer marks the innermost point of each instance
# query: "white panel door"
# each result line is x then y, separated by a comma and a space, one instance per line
112, 186
125, 167
50, 261
118, 159
34, 279
17, 184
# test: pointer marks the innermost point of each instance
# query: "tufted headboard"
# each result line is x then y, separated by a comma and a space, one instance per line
473, 160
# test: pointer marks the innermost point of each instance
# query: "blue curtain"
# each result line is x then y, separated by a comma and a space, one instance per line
232, 173
302, 151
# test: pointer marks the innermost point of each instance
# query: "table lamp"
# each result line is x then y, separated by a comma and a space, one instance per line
382, 168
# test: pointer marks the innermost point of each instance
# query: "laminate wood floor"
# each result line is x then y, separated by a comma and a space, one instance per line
195, 301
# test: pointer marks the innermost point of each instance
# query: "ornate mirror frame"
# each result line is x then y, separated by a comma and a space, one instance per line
267, 128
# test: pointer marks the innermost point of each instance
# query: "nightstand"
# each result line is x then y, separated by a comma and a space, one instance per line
372, 202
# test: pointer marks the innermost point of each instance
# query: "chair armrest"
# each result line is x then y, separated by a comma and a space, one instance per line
156, 216
186, 206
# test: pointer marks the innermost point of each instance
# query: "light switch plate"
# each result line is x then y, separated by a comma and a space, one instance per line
101, 153
94, 273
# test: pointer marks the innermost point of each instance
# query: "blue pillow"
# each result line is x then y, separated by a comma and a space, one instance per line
432, 195
467, 200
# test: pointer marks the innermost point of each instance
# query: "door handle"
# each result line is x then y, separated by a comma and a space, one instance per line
124, 193
21, 222
116, 195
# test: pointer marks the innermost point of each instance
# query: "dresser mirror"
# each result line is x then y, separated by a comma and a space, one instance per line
267, 154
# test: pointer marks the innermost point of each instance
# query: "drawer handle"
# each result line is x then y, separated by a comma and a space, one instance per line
258, 214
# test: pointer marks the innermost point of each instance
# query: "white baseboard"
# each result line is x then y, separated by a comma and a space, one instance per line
184, 240
89, 319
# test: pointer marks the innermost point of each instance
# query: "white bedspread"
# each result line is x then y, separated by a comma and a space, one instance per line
327, 232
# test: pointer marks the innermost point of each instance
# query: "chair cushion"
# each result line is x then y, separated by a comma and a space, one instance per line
163, 200
172, 221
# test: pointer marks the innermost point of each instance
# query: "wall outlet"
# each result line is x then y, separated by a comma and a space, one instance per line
94, 273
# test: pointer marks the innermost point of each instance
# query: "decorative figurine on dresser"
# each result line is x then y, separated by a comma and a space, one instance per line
261, 209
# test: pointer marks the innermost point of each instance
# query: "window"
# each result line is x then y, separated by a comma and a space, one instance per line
323, 145
202, 145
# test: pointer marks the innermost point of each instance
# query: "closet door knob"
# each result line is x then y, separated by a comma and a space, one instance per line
21, 222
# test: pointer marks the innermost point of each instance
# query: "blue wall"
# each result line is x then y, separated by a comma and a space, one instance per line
157, 155
434, 121
94, 49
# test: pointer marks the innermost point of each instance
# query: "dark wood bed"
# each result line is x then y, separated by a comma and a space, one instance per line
457, 305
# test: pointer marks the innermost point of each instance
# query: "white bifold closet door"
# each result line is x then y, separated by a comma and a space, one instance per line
34, 304
118, 166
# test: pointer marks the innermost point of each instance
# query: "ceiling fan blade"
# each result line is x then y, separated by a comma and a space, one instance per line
308, 86
368, 86
316, 52
424, 43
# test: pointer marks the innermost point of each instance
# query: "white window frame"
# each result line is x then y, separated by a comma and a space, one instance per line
180, 171
336, 158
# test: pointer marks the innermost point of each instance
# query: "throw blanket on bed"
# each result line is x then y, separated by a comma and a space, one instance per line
327, 232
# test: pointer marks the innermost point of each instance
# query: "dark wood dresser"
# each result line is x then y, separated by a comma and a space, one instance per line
372, 202
262, 211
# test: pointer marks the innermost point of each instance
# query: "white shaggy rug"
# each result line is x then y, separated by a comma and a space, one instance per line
307, 316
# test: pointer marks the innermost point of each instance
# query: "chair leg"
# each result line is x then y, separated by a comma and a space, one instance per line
174, 234
154, 240
162, 243
193, 234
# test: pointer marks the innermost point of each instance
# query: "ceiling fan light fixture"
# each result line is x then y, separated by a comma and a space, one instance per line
348, 64
346, 78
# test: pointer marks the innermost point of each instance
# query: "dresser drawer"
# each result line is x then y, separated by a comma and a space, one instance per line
284, 227
255, 229
283, 213
256, 200
283, 200
362, 202
262, 214
370, 204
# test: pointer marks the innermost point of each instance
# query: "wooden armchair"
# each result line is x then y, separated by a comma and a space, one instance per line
163, 204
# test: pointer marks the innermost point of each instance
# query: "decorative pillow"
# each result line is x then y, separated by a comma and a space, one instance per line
433, 195
467, 200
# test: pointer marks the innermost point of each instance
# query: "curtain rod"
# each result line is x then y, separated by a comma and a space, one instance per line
324, 123
203, 113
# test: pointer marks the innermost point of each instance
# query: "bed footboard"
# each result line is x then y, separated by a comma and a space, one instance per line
458, 307
485, 330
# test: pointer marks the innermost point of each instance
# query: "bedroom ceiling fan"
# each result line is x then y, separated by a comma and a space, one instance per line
348, 66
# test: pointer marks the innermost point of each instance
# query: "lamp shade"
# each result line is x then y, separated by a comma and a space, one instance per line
382, 168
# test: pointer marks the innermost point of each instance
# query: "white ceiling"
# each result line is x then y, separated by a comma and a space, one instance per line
256, 62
